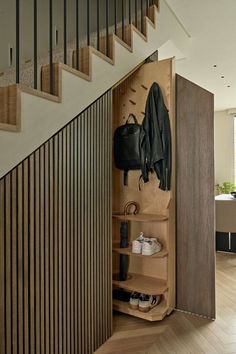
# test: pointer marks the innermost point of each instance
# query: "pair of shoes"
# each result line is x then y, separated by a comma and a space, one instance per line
145, 245
143, 302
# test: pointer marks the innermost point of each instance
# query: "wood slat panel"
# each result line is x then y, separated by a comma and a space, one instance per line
64, 322
55, 243
2, 269
60, 250
31, 252
25, 258
46, 249
195, 199
20, 259
37, 251
14, 262
79, 259
51, 246
8, 275
42, 248
76, 227
55, 246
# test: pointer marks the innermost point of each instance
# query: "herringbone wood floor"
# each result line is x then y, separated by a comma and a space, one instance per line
182, 333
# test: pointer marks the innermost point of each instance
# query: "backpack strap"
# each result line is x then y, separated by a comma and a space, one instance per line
131, 115
125, 178
139, 182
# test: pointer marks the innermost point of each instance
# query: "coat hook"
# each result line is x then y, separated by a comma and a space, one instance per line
132, 89
144, 87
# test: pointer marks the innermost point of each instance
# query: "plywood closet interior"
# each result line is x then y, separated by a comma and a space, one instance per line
155, 274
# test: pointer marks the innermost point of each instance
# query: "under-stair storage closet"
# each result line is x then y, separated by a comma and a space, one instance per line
154, 274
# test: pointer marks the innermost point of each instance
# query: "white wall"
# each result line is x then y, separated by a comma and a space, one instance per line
224, 147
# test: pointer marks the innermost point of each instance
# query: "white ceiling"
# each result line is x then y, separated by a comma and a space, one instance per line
211, 25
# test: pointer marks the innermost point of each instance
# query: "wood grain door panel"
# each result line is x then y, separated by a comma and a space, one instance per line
195, 199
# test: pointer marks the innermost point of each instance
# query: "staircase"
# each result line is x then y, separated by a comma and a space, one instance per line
29, 117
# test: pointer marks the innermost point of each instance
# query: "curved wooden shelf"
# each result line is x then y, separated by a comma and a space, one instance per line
141, 217
128, 251
142, 284
156, 314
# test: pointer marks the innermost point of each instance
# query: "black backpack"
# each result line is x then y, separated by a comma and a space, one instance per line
127, 152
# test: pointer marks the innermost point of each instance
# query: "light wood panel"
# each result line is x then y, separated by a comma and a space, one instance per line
128, 251
130, 97
141, 217
10, 108
157, 207
143, 284
156, 314
195, 199
55, 244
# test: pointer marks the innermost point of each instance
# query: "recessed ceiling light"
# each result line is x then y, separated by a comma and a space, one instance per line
228, 86
215, 66
222, 77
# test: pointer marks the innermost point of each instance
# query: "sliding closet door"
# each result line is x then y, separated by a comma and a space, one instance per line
195, 199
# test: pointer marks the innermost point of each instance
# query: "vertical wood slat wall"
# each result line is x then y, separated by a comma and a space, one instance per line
55, 242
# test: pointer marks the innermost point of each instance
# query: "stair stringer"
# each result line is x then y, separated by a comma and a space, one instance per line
41, 118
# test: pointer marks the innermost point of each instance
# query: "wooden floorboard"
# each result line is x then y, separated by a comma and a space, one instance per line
182, 333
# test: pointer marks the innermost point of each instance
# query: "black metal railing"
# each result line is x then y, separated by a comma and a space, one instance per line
65, 32
91, 23
98, 25
51, 45
35, 45
17, 41
107, 28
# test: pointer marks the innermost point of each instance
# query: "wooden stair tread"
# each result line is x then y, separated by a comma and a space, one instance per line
120, 41
38, 93
9, 127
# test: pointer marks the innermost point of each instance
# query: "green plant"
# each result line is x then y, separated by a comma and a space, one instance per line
225, 188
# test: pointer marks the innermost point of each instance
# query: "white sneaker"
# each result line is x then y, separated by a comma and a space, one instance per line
147, 302
150, 246
134, 300
137, 244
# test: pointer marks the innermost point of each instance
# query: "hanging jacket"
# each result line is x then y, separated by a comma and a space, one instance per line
156, 139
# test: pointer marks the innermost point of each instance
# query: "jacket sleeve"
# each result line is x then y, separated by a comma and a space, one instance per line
157, 138
144, 152
163, 166
153, 114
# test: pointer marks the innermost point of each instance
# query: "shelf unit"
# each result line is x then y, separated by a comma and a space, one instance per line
142, 284
156, 314
128, 251
140, 217
152, 275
